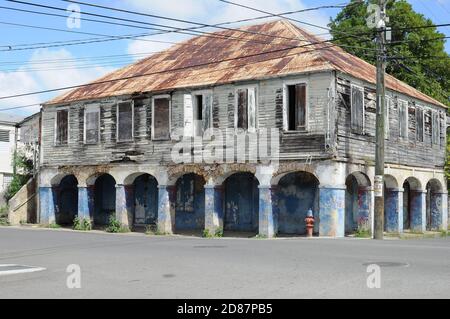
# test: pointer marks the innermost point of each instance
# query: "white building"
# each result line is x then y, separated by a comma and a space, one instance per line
9, 134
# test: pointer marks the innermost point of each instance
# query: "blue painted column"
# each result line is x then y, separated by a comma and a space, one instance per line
332, 211
84, 211
438, 211
165, 208
46, 205
267, 210
364, 203
418, 210
121, 205
393, 211
213, 208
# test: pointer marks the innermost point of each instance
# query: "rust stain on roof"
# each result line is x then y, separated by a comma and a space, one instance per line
231, 56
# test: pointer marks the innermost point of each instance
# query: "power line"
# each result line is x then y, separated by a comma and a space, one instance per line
178, 30
89, 33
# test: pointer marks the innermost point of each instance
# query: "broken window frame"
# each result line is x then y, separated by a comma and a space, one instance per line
403, 103
57, 141
118, 139
205, 94
286, 85
91, 109
356, 129
169, 98
255, 126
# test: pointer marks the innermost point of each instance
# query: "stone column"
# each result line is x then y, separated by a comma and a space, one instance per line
213, 208
47, 214
84, 211
332, 211
165, 208
418, 210
267, 210
393, 212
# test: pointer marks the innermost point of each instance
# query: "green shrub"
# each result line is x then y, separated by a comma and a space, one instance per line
51, 225
363, 233
217, 233
82, 224
4, 216
116, 226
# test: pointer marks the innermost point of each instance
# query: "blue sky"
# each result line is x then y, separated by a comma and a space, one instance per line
24, 71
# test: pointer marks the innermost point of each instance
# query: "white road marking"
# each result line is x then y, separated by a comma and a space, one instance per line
13, 269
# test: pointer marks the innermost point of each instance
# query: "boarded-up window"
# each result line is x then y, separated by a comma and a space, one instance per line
161, 118
246, 109
403, 118
4, 136
124, 121
435, 126
387, 109
91, 125
357, 109
419, 125
296, 107
62, 127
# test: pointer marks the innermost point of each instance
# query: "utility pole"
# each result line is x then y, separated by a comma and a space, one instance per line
380, 118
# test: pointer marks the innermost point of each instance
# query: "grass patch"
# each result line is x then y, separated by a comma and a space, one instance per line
218, 233
82, 224
51, 225
363, 233
116, 226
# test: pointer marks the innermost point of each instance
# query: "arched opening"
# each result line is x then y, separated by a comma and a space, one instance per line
392, 205
297, 193
412, 204
67, 201
433, 205
145, 201
104, 199
190, 203
357, 203
241, 203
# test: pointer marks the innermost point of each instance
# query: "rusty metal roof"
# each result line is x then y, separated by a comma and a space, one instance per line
266, 50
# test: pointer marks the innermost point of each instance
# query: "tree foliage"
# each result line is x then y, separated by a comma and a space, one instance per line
415, 56
23, 169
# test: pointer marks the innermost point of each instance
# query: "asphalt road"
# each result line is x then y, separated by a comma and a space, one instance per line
139, 266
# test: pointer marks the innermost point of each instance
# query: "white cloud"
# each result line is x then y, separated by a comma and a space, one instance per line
37, 77
214, 12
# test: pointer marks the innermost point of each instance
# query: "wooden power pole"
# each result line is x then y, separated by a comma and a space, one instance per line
380, 124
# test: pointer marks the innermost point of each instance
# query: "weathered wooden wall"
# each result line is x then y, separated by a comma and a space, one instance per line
294, 145
410, 151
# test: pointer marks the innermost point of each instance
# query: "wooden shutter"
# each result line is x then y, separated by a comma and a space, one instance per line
403, 118
435, 128
300, 107
62, 130
188, 115
251, 103
161, 119
91, 124
242, 116
419, 125
125, 121
357, 109
387, 108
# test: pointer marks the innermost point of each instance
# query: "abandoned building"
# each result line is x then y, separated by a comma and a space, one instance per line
107, 146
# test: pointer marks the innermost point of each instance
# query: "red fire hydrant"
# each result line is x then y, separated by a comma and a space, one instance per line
309, 220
